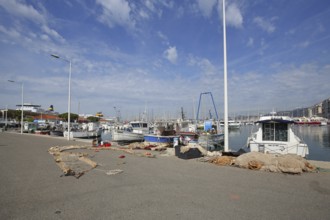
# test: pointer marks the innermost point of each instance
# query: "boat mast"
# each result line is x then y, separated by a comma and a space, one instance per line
225, 78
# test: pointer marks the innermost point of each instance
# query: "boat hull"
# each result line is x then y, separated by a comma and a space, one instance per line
159, 139
126, 136
279, 148
82, 134
56, 133
211, 141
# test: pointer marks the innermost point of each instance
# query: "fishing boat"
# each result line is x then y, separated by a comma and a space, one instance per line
83, 134
133, 131
275, 136
212, 136
90, 130
163, 132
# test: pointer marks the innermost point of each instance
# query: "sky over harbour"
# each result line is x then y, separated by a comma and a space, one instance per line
160, 55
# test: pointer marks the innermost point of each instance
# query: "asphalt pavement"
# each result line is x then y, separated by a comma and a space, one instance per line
165, 187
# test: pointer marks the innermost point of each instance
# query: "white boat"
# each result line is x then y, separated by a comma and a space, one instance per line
324, 123
133, 132
275, 136
83, 134
234, 124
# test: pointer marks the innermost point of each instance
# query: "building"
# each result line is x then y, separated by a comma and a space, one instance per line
302, 112
317, 110
54, 119
326, 108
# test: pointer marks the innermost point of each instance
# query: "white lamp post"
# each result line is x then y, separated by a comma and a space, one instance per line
22, 106
6, 122
226, 148
69, 98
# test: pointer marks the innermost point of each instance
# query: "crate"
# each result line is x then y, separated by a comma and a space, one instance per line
190, 154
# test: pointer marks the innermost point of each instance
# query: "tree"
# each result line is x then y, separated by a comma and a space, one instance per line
93, 119
73, 117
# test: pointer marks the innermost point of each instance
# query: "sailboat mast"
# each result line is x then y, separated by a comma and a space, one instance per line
225, 78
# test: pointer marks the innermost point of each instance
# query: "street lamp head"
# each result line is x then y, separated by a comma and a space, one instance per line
11, 81
55, 56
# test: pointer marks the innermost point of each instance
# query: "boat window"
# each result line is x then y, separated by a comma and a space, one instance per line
135, 125
145, 125
267, 132
275, 132
281, 132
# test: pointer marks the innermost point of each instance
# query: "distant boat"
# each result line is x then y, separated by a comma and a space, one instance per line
311, 121
275, 136
234, 124
83, 134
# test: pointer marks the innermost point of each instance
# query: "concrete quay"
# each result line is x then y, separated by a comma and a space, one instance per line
33, 187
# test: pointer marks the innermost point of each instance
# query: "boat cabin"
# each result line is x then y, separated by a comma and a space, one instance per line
139, 127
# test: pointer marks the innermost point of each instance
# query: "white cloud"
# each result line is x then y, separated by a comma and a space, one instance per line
320, 28
171, 54
25, 11
52, 33
277, 84
264, 24
44, 37
206, 6
304, 44
151, 8
263, 46
10, 32
163, 37
116, 12
167, 4
143, 14
206, 66
250, 42
291, 32
21, 11
150, 5
234, 16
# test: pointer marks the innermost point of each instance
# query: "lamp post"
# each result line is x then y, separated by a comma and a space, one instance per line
22, 106
69, 95
226, 147
6, 121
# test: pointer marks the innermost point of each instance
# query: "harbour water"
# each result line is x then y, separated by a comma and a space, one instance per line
316, 137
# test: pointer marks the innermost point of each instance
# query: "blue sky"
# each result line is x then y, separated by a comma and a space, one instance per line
160, 55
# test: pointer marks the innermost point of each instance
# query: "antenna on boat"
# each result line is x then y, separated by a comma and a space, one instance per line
273, 113
225, 78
